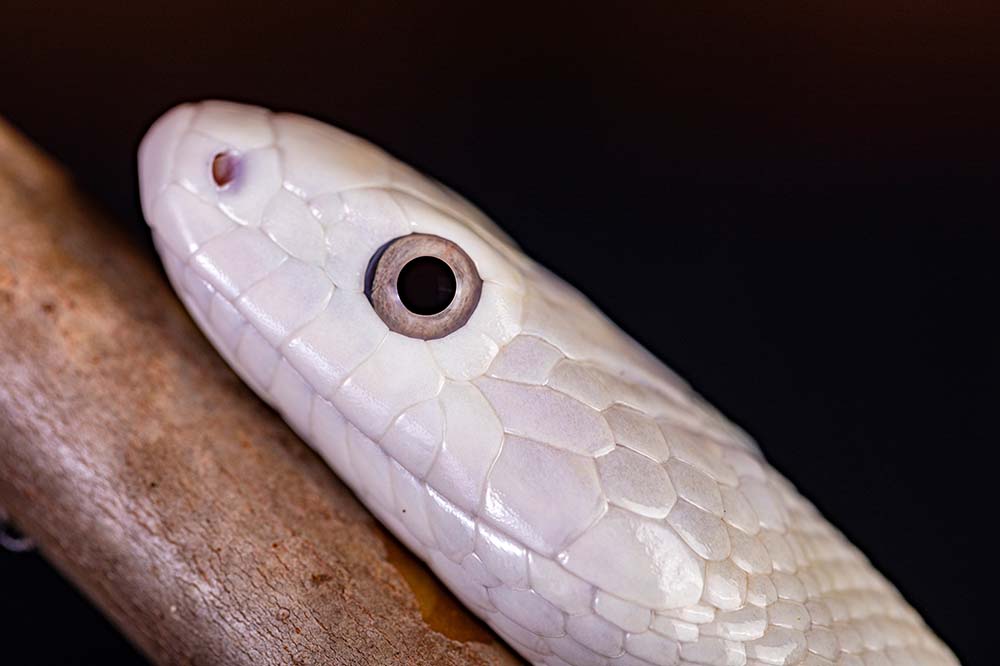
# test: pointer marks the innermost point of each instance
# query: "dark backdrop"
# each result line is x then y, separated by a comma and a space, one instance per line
794, 204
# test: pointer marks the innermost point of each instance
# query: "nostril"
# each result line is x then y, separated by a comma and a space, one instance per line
224, 167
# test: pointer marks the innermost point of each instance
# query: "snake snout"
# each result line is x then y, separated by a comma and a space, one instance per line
156, 154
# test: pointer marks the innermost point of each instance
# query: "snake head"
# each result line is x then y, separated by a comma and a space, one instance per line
500, 433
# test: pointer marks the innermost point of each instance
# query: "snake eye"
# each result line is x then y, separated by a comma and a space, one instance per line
423, 286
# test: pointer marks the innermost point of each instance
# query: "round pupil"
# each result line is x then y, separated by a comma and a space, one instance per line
426, 285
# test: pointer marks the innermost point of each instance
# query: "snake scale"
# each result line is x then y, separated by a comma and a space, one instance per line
568, 487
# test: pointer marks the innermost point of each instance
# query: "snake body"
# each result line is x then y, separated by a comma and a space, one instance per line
568, 487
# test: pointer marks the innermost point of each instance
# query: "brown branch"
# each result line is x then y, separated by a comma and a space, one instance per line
153, 479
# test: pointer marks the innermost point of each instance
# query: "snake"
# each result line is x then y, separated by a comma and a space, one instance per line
571, 490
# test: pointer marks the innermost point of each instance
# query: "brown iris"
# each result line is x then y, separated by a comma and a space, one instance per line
423, 286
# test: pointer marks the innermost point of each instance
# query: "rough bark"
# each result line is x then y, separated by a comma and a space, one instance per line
153, 479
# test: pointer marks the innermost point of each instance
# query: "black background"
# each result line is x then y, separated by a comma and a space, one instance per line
794, 204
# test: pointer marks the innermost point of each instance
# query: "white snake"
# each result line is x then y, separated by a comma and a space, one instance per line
569, 488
